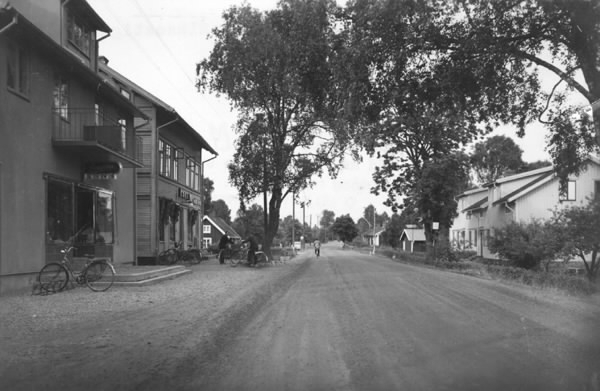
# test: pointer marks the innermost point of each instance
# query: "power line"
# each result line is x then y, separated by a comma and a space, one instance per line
150, 59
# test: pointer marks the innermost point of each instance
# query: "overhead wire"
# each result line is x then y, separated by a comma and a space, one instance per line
176, 88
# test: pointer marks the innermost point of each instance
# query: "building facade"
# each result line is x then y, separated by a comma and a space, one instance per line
521, 198
170, 182
213, 228
69, 150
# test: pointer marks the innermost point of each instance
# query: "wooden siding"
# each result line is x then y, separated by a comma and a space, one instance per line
144, 227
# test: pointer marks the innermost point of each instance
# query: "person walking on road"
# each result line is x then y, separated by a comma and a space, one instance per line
317, 245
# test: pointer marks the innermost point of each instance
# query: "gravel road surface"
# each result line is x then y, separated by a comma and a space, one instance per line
344, 321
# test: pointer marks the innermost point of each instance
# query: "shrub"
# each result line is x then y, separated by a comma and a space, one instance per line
525, 245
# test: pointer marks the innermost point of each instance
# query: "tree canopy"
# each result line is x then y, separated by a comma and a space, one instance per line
344, 228
495, 157
220, 209
277, 70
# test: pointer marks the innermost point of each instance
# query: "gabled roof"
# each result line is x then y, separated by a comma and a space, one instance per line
471, 192
510, 178
527, 188
122, 80
222, 226
413, 234
481, 204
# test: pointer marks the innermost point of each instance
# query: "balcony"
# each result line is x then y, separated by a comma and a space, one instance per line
95, 136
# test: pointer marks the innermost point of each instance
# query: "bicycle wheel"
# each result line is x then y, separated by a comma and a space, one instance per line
99, 276
167, 257
235, 258
53, 278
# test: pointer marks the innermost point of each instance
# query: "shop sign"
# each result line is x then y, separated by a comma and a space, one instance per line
102, 171
184, 195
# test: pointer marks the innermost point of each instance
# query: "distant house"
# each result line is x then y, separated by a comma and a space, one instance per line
521, 198
213, 228
374, 239
413, 239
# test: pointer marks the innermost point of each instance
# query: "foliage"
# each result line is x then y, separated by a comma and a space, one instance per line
220, 209
495, 157
344, 228
581, 234
208, 186
327, 219
525, 245
433, 192
430, 77
276, 68
250, 222
393, 230
285, 229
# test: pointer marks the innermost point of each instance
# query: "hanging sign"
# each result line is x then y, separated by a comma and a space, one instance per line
102, 170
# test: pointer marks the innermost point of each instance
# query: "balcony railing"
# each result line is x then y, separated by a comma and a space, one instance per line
78, 127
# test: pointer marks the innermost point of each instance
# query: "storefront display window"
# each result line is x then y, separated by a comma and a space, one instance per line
76, 210
60, 211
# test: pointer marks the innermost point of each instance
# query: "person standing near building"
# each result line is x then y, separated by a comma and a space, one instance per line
224, 243
252, 249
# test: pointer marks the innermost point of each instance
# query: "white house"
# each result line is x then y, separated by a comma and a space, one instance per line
521, 197
413, 239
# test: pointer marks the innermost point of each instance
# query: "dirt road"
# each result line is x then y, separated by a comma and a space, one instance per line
344, 321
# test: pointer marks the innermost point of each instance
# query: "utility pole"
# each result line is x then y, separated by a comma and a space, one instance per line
374, 230
293, 222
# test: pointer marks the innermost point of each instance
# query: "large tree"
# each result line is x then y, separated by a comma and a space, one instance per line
431, 77
220, 209
249, 222
276, 68
495, 157
344, 228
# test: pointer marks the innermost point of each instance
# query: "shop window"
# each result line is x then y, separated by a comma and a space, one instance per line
59, 219
61, 96
104, 218
78, 34
79, 213
18, 73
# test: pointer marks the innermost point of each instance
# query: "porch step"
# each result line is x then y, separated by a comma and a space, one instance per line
147, 275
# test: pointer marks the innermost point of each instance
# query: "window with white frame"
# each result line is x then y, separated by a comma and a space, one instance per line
568, 192
166, 160
192, 174
18, 71
206, 228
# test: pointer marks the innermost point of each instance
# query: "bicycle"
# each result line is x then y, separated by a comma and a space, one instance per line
240, 256
97, 274
175, 254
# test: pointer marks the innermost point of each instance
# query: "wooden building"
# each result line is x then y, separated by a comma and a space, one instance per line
68, 149
169, 184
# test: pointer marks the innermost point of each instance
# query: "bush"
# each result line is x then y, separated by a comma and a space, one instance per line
562, 281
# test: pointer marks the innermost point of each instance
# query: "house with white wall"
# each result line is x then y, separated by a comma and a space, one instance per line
521, 197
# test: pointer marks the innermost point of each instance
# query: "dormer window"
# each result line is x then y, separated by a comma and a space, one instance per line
79, 34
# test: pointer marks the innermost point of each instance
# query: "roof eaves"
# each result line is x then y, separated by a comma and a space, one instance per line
528, 187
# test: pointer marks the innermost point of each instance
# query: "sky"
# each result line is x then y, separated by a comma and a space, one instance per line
157, 45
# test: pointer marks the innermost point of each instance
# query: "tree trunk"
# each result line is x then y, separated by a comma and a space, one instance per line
273, 226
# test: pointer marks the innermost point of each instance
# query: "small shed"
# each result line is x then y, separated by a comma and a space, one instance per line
413, 239
213, 228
